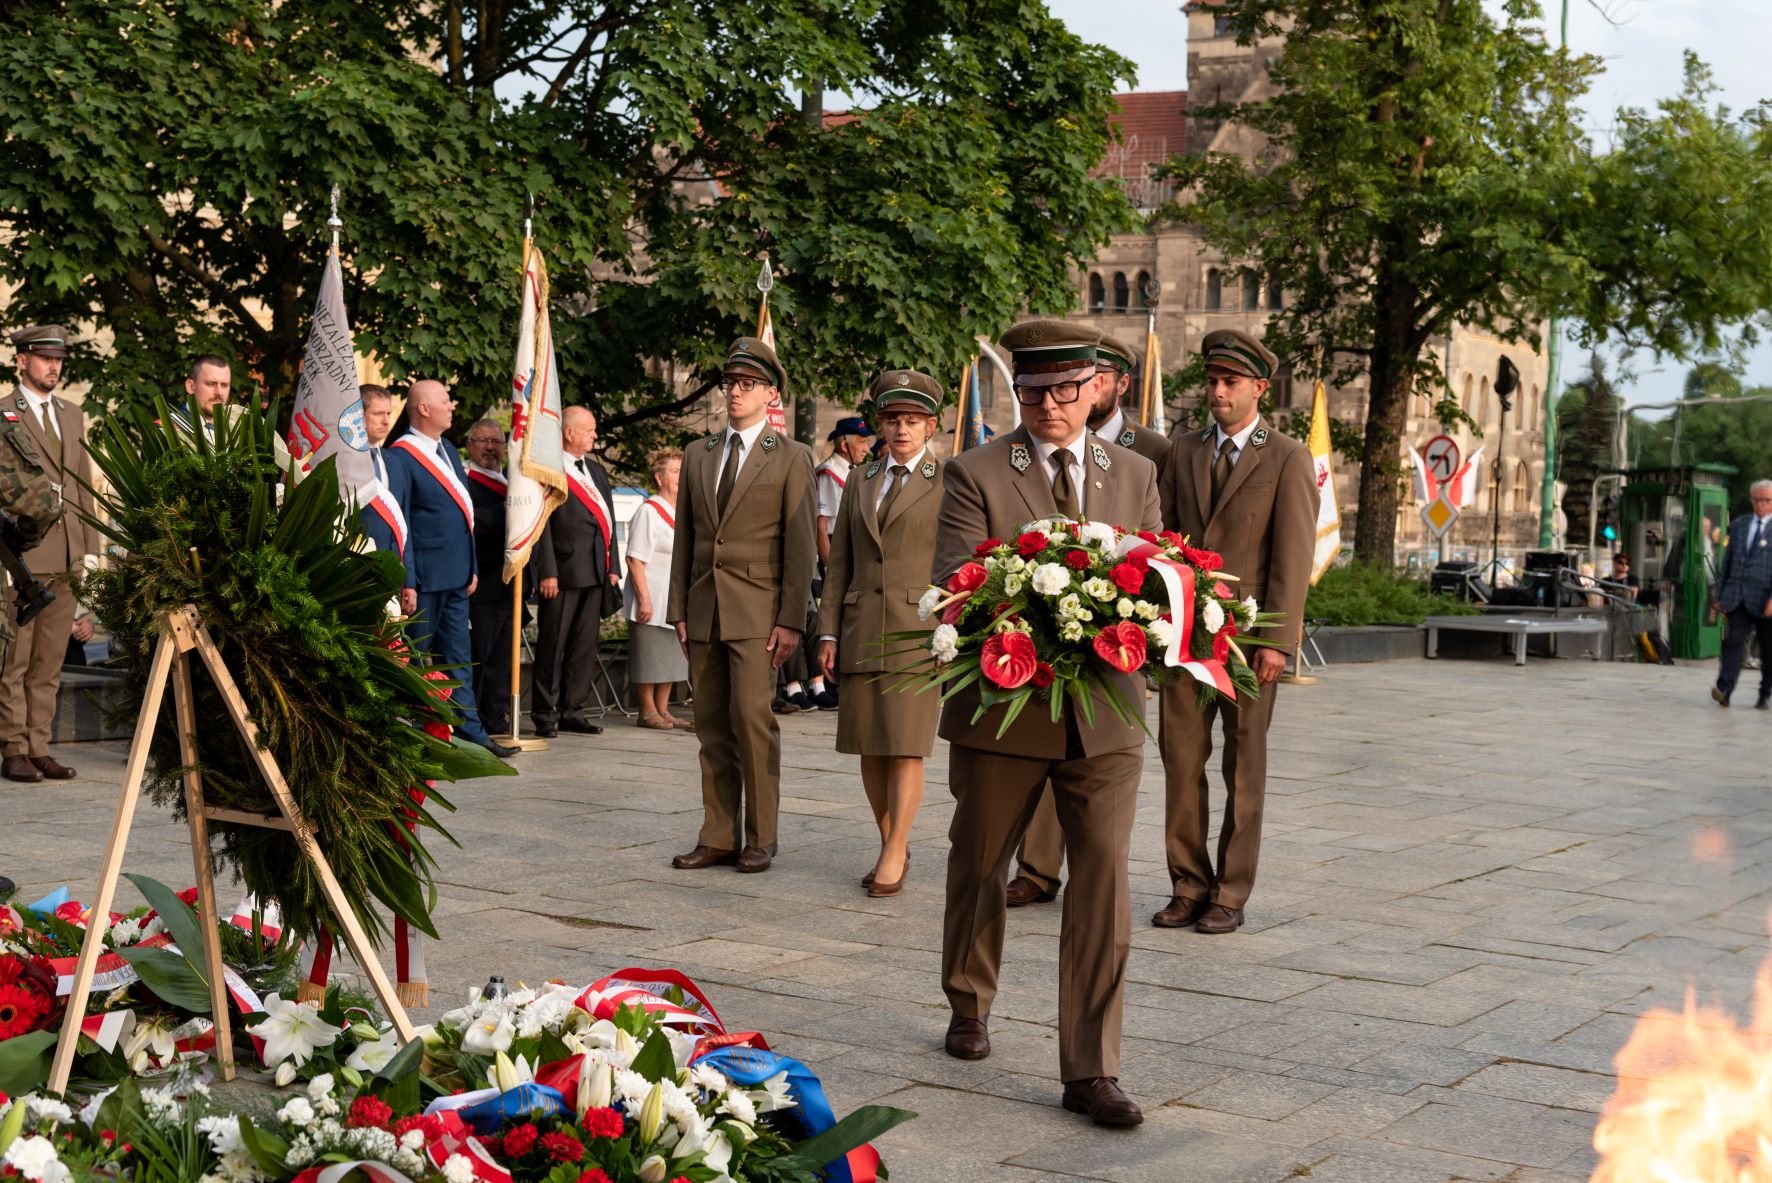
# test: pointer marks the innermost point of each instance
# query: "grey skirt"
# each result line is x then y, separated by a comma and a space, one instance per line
654, 655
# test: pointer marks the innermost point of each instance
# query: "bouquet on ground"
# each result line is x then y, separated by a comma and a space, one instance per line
1060, 610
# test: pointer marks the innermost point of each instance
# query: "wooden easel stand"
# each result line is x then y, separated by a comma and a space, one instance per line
180, 633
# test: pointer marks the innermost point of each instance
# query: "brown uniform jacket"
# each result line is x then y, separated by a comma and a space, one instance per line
753, 566
1152, 445
988, 493
1265, 524
72, 537
876, 575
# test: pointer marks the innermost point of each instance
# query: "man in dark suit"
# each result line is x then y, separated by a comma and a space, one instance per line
1049, 465
427, 480
381, 516
1744, 594
489, 608
1248, 492
577, 563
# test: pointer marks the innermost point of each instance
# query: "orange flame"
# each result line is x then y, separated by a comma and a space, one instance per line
1694, 1100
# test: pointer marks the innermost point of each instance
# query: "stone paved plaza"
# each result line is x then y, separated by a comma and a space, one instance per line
1474, 878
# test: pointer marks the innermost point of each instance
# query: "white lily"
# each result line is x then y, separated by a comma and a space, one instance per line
292, 1031
625, 1046
653, 1169
490, 1033
150, 1044
373, 1055
507, 1074
596, 1085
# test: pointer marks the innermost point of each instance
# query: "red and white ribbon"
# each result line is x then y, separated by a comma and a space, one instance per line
645, 988
110, 973
379, 1172
108, 1029
1178, 581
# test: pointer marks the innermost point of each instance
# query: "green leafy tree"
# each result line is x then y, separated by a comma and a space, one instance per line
1587, 421
168, 169
1423, 167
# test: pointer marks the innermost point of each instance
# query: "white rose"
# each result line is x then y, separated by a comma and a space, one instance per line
1212, 616
1070, 630
1017, 564
1012, 585
1125, 608
1101, 589
1146, 610
1097, 534
297, 1112
944, 643
1050, 579
320, 1087
993, 564
926, 605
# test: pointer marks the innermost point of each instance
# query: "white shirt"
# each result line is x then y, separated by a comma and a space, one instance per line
581, 476
650, 542
1240, 439
37, 403
486, 472
1076, 449
831, 477
749, 436
1113, 427
911, 466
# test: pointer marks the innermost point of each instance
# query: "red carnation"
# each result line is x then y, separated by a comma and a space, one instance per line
1121, 646
562, 1147
1030, 544
987, 546
189, 896
521, 1140
1077, 560
1127, 577
603, 1123
1008, 659
1221, 643
369, 1113
409, 1123
594, 1175
1042, 676
969, 578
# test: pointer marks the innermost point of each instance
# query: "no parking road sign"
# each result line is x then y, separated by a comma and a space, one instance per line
1441, 457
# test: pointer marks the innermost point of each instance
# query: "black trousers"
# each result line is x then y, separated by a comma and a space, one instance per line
489, 624
566, 654
1741, 624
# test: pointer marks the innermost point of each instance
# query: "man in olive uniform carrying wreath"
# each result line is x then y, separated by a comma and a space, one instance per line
1049, 465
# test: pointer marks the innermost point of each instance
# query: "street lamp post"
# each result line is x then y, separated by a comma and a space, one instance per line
1548, 488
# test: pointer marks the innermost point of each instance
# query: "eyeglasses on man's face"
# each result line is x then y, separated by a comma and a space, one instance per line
742, 385
1060, 392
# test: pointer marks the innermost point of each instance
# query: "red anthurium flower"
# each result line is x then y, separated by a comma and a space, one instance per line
1221, 642
1030, 544
1121, 646
987, 546
1008, 659
1077, 560
1127, 577
1042, 676
71, 912
969, 578
1222, 590
952, 613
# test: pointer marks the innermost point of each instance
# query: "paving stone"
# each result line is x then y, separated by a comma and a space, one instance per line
1527, 1137
1254, 1094
1542, 1086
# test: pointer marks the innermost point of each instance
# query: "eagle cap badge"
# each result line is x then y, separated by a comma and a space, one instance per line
1036, 335
1019, 458
1099, 454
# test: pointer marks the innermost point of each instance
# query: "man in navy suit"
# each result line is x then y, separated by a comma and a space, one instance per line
381, 516
1744, 594
428, 481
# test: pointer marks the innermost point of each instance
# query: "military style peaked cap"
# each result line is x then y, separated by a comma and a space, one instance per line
1238, 352
43, 340
1116, 353
910, 390
750, 357
1047, 352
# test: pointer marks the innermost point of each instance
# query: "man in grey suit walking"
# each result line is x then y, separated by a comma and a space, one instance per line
1744, 595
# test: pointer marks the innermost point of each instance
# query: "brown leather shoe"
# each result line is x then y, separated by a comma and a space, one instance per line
1100, 1097
968, 1039
1023, 891
1179, 913
52, 768
1719, 697
20, 768
704, 856
753, 859
1218, 918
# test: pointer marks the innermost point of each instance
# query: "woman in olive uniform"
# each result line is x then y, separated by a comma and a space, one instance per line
882, 550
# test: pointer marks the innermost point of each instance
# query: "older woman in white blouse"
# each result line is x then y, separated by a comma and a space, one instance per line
655, 659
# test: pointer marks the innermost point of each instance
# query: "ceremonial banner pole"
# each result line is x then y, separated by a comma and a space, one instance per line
962, 430
1151, 389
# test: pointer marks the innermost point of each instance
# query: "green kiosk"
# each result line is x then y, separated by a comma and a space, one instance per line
1675, 522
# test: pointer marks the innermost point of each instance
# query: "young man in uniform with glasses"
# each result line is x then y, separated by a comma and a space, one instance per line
1048, 466
741, 574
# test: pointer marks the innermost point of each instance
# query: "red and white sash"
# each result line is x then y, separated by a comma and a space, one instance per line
490, 480
663, 511
592, 499
426, 455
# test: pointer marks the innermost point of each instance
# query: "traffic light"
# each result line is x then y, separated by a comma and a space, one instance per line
1609, 534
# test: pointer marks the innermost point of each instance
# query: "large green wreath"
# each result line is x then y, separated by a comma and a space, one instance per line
300, 617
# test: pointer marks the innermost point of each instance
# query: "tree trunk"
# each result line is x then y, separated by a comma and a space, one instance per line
1387, 404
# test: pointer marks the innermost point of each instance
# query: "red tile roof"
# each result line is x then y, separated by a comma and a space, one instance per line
1153, 127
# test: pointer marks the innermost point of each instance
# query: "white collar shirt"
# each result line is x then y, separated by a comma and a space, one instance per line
425, 443
1239, 439
911, 466
1113, 427
749, 435
1050, 466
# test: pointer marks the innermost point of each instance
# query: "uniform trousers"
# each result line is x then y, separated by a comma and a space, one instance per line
489, 635
31, 675
566, 654
1185, 738
442, 631
1742, 625
1095, 800
740, 741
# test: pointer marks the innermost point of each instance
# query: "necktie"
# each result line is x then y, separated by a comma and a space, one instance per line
1221, 468
894, 483
1064, 492
729, 474
55, 439
581, 466
1758, 527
